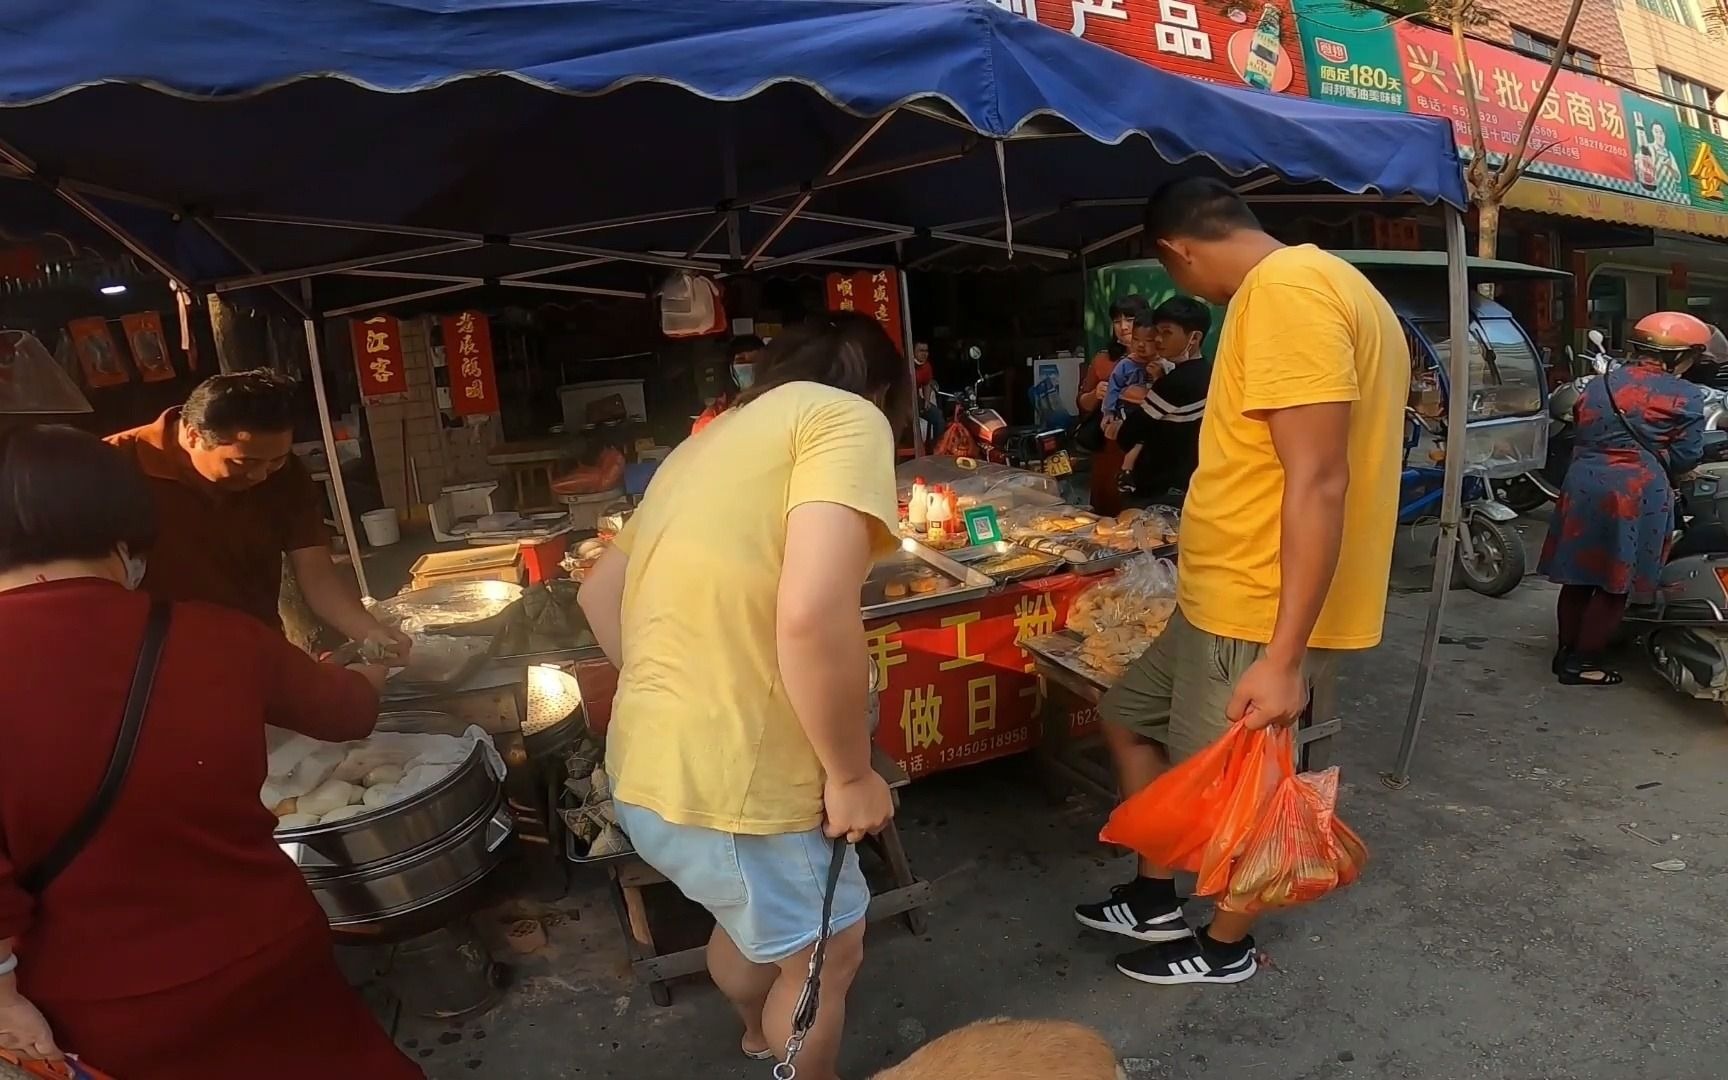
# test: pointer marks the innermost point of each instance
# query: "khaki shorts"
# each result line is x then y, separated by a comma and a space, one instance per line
1176, 692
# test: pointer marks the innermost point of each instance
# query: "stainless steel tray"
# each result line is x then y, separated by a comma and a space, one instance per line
964, 583
972, 556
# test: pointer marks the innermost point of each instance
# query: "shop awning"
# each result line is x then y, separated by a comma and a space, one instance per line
1594, 204
285, 129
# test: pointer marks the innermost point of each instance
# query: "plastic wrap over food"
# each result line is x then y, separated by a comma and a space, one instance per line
979, 483
439, 658
337, 781
1141, 595
453, 605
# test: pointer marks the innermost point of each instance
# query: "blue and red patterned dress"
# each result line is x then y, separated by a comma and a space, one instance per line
1616, 512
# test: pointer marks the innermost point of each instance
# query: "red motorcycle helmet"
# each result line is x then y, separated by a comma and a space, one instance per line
1672, 337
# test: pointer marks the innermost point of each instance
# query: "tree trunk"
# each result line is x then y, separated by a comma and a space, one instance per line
1487, 234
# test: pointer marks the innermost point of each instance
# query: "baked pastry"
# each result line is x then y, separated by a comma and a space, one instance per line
894, 590
925, 584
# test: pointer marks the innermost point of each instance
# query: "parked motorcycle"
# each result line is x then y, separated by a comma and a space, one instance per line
989, 437
1490, 553
1531, 491
1685, 623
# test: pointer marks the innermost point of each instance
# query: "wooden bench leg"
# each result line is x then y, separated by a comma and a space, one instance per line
632, 913
893, 853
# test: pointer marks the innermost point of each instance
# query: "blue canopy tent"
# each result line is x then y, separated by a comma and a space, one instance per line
351, 146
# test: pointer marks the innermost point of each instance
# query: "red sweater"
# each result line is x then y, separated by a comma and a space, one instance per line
184, 878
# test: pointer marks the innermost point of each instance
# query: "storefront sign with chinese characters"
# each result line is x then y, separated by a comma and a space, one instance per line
378, 357
875, 293
957, 687
1234, 42
468, 356
1633, 156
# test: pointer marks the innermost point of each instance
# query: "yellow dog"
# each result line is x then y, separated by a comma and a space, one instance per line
1003, 1049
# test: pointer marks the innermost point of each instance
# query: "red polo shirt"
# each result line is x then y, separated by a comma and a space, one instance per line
221, 547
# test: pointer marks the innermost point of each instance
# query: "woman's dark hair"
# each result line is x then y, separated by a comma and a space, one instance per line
845, 350
222, 406
1129, 307
743, 343
65, 494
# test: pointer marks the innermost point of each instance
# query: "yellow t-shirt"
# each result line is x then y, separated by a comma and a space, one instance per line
702, 733
1305, 328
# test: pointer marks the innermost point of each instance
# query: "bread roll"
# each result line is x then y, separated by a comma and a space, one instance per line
341, 813
296, 821
327, 797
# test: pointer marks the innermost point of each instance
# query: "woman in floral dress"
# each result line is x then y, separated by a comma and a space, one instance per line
1638, 426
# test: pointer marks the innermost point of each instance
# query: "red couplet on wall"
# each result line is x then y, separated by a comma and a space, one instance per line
468, 353
378, 357
874, 292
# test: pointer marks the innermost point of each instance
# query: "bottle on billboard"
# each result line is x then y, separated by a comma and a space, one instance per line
1263, 54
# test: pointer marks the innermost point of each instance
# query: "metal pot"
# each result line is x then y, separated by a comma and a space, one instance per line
402, 828
398, 890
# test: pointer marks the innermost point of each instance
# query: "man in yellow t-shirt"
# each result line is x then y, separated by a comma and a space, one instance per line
1287, 531
740, 738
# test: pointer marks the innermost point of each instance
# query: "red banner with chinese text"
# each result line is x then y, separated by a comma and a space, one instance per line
378, 357
1581, 124
874, 292
149, 345
468, 354
98, 356
957, 688
1202, 39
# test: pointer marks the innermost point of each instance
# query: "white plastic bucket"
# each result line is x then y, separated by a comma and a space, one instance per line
383, 528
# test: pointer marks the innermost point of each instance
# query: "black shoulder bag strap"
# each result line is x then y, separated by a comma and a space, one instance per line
119, 762
1637, 436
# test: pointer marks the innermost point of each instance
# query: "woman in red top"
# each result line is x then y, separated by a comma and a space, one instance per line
180, 943
1106, 463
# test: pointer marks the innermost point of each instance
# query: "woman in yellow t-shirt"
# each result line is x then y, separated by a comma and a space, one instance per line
739, 742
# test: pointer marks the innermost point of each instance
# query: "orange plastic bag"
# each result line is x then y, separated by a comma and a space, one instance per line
1198, 816
70, 1069
1298, 852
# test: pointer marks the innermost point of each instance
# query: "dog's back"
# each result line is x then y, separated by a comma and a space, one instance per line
1004, 1049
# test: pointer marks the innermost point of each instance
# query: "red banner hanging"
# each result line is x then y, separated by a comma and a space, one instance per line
98, 356
378, 357
468, 353
149, 345
874, 292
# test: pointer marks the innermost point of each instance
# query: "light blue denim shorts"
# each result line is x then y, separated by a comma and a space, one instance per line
764, 891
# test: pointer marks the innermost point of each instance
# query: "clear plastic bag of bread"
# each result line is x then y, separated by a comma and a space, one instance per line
1140, 596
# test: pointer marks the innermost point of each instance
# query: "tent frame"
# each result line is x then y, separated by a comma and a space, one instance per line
786, 205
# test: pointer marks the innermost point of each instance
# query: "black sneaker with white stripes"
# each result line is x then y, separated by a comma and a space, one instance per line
1142, 909
1196, 960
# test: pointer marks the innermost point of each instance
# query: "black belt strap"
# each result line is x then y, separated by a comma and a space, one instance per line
119, 762
804, 1014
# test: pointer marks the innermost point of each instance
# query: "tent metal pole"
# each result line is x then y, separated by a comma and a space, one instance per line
386, 301
809, 191
1457, 418
12, 156
996, 227
215, 233
616, 256
874, 172
314, 328
602, 225
578, 264
1000, 245
253, 280
415, 275
911, 347
348, 226
585, 290
836, 248
1113, 238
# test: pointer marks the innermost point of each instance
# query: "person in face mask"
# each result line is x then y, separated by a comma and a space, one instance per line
232, 499
174, 941
742, 354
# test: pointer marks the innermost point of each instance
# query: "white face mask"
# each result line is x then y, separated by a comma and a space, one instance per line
135, 566
744, 375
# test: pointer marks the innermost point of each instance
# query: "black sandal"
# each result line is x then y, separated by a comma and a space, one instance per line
1576, 671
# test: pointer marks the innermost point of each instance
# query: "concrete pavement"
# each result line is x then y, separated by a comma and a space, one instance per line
1509, 927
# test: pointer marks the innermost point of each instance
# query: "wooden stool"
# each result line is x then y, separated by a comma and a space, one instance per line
905, 896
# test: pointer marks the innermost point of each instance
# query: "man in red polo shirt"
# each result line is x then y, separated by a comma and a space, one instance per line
231, 500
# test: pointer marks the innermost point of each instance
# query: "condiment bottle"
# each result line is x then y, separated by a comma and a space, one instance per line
941, 510
918, 506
